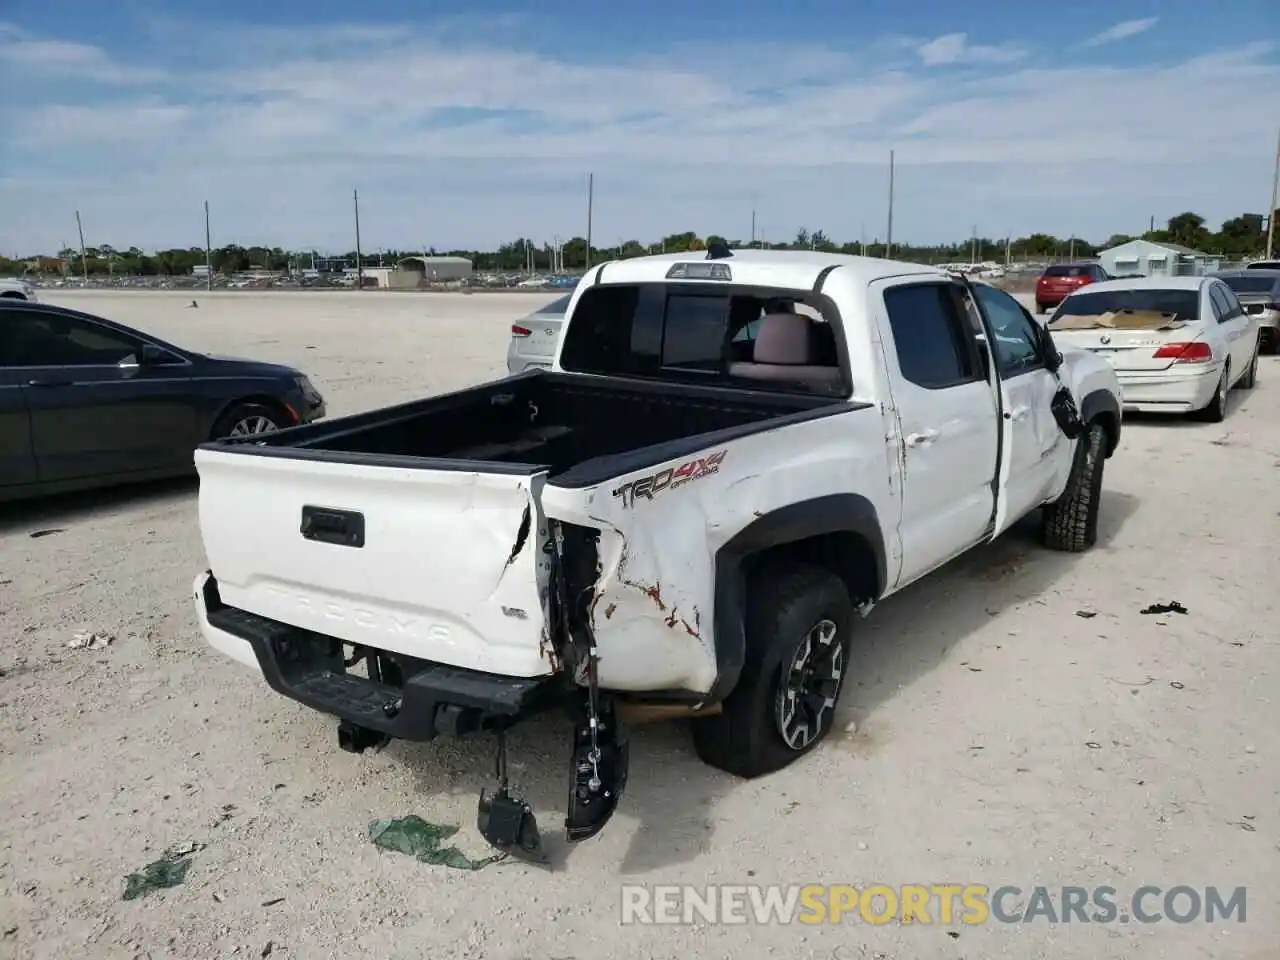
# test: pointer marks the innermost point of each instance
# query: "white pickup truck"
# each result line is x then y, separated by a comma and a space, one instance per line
735, 455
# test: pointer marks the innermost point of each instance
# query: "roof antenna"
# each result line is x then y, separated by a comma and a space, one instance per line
718, 251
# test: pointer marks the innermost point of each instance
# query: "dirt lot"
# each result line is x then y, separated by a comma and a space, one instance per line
1001, 738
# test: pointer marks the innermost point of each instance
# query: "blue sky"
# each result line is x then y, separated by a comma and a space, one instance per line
467, 125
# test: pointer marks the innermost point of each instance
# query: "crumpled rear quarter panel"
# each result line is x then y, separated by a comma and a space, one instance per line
653, 607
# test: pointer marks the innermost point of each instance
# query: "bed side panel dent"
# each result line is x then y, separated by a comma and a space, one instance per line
653, 608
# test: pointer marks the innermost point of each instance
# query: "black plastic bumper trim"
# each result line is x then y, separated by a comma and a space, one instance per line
308, 667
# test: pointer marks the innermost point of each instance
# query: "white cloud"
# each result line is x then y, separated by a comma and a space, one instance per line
34, 58
458, 144
1121, 31
954, 48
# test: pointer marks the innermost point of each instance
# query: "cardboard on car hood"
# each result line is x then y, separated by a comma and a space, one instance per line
1121, 320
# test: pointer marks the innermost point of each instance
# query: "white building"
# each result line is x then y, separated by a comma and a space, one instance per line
436, 269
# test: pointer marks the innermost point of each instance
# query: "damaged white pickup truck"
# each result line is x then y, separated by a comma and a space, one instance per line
735, 454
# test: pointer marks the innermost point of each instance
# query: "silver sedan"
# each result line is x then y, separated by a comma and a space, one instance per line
534, 338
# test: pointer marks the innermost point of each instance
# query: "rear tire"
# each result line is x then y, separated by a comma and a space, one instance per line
1250, 378
1041, 308
1216, 411
249, 419
798, 621
1070, 523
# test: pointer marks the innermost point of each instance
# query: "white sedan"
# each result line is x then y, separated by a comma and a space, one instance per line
1177, 344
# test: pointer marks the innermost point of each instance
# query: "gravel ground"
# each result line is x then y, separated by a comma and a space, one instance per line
1001, 738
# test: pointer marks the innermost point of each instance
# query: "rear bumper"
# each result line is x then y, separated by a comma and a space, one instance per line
1168, 391
433, 698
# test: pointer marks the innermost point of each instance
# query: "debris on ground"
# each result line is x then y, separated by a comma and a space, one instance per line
168, 871
1172, 607
90, 641
37, 534
416, 837
1177, 684
1085, 614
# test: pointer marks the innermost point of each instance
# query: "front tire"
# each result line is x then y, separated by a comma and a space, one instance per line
798, 622
249, 419
1070, 523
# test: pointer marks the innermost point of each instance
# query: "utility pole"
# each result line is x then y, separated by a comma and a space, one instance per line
862, 233
1008, 242
753, 226
591, 189
355, 197
1271, 211
84, 257
208, 250
1071, 249
973, 244
888, 248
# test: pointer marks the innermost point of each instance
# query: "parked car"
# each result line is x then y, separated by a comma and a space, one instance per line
534, 338
85, 402
1178, 344
1259, 293
1060, 280
1263, 265
17, 290
675, 517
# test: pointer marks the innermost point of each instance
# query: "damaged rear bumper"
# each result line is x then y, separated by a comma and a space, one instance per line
425, 700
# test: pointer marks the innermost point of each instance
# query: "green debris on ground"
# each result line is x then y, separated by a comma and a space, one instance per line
422, 840
169, 871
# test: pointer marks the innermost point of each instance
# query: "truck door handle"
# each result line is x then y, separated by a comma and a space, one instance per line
922, 438
345, 528
1018, 413
48, 383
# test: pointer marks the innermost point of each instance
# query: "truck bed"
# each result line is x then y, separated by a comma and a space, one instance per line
539, 421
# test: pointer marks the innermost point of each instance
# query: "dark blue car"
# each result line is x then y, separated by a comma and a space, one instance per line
86, 402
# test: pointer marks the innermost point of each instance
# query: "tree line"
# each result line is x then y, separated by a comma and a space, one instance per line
1238, 238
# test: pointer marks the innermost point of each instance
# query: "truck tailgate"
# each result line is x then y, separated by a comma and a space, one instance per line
436, 564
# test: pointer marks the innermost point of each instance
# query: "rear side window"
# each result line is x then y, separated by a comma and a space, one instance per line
928, 335
696, 332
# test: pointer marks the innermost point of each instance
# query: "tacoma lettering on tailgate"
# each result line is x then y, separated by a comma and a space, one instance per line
669, 479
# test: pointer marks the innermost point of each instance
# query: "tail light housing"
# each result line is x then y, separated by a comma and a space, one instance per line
1197, 351
519, 331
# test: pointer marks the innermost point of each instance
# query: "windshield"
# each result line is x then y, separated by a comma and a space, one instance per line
558, 305
1258, 284
1185, 304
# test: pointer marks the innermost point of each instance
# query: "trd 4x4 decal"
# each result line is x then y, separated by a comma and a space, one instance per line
669, 479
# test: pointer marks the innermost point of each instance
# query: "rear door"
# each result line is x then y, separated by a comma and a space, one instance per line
1235, 326
948, 428
431, 563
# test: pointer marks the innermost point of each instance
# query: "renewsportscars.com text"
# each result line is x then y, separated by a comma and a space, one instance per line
939, 903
